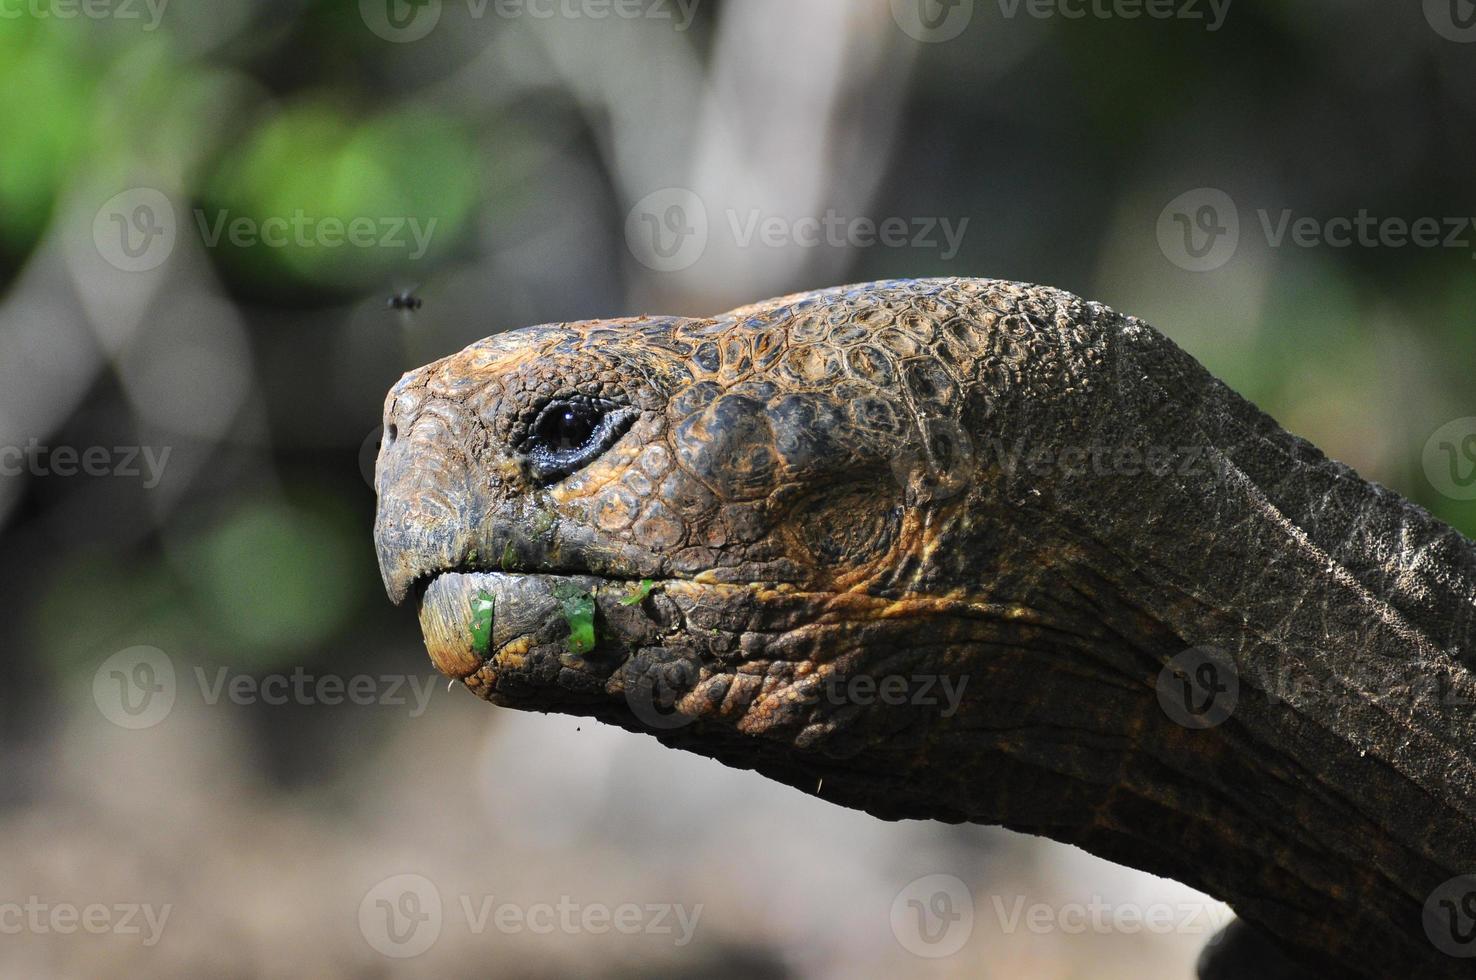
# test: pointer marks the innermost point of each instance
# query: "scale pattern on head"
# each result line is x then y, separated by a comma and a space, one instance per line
787, 442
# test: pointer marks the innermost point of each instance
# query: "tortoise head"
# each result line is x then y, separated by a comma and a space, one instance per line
709, 529
763, 451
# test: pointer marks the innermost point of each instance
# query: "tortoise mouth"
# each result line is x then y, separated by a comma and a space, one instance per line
611, 648
473, 619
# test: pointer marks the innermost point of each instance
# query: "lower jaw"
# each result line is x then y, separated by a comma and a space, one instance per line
518, 612
679, 631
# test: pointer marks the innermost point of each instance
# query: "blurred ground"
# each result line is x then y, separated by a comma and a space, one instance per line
203, 209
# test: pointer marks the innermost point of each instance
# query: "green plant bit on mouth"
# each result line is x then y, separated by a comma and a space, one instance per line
509, 557
481, 624
579, 612
638, 595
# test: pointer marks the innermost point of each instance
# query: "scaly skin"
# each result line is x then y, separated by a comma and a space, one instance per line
850, 484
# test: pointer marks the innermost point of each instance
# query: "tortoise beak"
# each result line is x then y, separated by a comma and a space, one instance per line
429, 510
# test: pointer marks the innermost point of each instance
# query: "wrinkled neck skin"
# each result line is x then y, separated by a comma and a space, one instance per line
1339, 791
1082, 507
1337, 794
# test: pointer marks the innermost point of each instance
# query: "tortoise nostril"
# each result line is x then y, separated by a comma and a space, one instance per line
391, 432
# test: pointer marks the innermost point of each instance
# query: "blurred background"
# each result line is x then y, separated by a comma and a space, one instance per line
213, 716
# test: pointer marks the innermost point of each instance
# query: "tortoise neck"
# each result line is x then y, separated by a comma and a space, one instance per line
1164, 517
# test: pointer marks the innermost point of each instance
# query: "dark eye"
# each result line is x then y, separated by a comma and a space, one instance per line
567, 427
570, 433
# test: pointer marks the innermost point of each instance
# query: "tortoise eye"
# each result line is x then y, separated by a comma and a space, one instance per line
567, 427
570, 433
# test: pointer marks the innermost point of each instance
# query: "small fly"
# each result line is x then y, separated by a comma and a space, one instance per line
405, 301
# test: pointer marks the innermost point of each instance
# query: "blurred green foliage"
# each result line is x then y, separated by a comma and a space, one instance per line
45, 120
315, 161
134, 106
268, 580
258, 588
